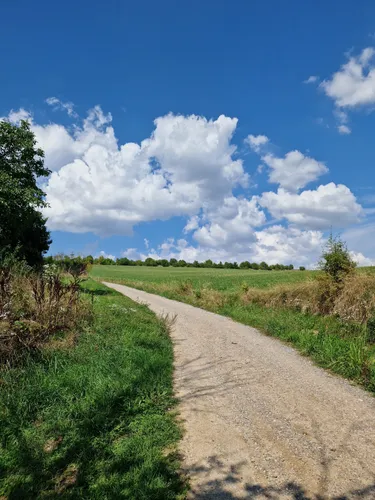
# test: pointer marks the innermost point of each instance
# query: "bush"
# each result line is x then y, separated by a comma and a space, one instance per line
302, 268
36, 305
336, 261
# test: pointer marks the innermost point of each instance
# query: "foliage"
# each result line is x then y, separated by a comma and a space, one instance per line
150, 262
336, 261
94, 420
34, 306
302, 268
371, 330
22, 226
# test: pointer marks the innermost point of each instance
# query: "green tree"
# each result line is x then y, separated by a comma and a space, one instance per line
336, 261
150, 262
22, 226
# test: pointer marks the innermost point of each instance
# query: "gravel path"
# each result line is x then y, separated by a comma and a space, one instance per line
260, 420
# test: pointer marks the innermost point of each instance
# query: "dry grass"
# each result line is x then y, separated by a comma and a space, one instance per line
34, 307
351, 300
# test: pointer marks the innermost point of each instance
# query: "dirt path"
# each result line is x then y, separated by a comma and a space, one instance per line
261, 421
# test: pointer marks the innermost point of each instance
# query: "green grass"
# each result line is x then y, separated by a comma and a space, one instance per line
341, 347
95, 421
217, 279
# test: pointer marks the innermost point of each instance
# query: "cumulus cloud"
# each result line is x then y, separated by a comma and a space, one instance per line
293, 171
354, 84
361, 260
102, 186
65, 106
327, 206
106, 255
344, 129
256, 142
231, 225
311, 79
275, 244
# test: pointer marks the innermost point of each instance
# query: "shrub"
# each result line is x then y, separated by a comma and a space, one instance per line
34, 306
302, 268
336, 261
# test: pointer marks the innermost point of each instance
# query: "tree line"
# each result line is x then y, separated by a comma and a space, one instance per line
150, 262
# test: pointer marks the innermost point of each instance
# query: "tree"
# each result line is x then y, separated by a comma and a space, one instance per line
22, 226
245, 265
264, 266
150, 262
302, 268
336, 261
163, 262
172, 262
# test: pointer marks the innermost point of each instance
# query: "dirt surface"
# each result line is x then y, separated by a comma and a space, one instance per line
260, 420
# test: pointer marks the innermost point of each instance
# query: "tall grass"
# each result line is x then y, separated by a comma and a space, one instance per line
95, 421
34, 306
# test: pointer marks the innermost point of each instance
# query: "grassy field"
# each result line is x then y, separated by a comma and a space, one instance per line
342, 347
94, 421
218, 279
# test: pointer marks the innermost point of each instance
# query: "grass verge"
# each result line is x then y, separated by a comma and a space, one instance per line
94, 421
337, 345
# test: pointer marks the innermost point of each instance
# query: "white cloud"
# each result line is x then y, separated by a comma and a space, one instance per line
133, 254
354, 84
101, 186
192, 223
361, 260
328, 205
230, 225
276, 244
256, 142
65, 106
344, 129
293, 171
16, 116
106, 255
146, 242
311, 79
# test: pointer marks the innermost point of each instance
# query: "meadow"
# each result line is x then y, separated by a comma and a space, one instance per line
228, 280
93, 419
283, 304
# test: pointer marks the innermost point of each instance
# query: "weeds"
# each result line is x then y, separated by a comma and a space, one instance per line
34, 306
353, 299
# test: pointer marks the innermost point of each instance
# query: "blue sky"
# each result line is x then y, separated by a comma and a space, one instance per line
92, 78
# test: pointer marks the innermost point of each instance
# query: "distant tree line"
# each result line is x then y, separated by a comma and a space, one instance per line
150, 262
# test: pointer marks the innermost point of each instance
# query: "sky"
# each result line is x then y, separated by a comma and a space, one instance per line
224, 130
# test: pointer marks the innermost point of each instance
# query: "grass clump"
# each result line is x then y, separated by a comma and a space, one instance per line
94, 421
35, 306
